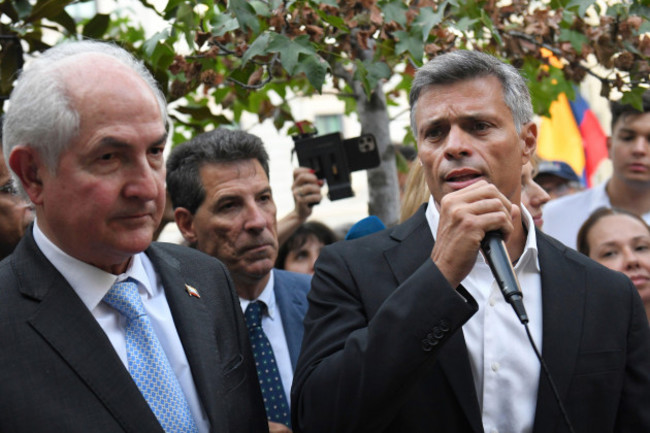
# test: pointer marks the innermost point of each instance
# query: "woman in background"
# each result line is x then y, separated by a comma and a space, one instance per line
619, 240
300, 251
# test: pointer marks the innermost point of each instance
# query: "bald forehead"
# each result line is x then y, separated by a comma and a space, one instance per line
89, 68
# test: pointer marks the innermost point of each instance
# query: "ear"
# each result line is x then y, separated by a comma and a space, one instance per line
608, 143
528, 137
28, 165
185, 222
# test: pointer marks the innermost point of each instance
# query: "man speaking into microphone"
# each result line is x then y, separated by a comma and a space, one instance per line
407, 329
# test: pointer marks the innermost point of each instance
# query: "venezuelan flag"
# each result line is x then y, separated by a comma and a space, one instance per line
573, 134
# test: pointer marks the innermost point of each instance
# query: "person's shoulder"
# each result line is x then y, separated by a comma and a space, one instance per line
568, 202
289, 277
187, 258
376, 243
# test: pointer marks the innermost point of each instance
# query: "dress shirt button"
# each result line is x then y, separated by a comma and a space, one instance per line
495, 367
493, 302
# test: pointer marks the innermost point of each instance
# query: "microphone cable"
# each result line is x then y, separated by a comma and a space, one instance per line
496, 255
550, 380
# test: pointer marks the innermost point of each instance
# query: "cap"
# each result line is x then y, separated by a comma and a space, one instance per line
366, 226
559, 169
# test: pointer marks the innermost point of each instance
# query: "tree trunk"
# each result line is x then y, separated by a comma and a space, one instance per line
382, 181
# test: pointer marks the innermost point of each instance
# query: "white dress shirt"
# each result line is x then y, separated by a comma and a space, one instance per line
91, 284
274, 330
504, 365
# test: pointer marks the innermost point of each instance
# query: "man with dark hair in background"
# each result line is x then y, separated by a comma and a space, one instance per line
629, 186
223, 205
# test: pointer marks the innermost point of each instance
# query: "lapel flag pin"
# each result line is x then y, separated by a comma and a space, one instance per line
192, 291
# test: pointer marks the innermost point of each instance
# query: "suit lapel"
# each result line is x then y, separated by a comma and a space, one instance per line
563, 298
69, 328
292, 308
193, 324
415, 245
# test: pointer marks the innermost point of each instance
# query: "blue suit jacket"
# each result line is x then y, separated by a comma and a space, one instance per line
291, 290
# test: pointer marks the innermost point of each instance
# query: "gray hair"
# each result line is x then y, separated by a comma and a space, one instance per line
41, 114
217, 146
463, 65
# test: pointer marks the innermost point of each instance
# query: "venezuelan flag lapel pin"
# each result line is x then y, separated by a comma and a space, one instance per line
192, 291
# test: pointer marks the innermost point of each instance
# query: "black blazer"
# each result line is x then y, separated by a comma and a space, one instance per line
384, 350
59, 372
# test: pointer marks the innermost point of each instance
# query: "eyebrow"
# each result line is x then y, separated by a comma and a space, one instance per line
112, 141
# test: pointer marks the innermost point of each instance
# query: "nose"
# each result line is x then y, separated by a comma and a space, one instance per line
457, 144
640, 145
255, 219
630, 259
144, 181
538, 196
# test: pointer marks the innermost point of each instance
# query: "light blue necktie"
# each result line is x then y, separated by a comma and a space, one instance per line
275, 400
147, 362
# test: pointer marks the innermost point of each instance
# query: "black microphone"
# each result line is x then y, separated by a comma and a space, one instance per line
497, 257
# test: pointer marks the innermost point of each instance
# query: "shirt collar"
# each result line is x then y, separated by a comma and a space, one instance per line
528, 256
89, 282
267, 296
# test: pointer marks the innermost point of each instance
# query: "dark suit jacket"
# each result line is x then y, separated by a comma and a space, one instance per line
291, 290
384, 350
59, 372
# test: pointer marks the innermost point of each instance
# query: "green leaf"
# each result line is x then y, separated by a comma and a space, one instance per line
576, 39
315, 68
223, 23
634, 98
66, 21
545, 90
465, 23
290, 50
334, 21
46, 9
197, 112
171, 5
259, 46
96, 27
260, 8
580, 6
150, 44
23, 7
245, 14
410, 42
394, 11
163, 56
11, 60
645, 27
428, 19
377, 71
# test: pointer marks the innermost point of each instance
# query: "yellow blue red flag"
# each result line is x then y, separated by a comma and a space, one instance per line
573, 134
